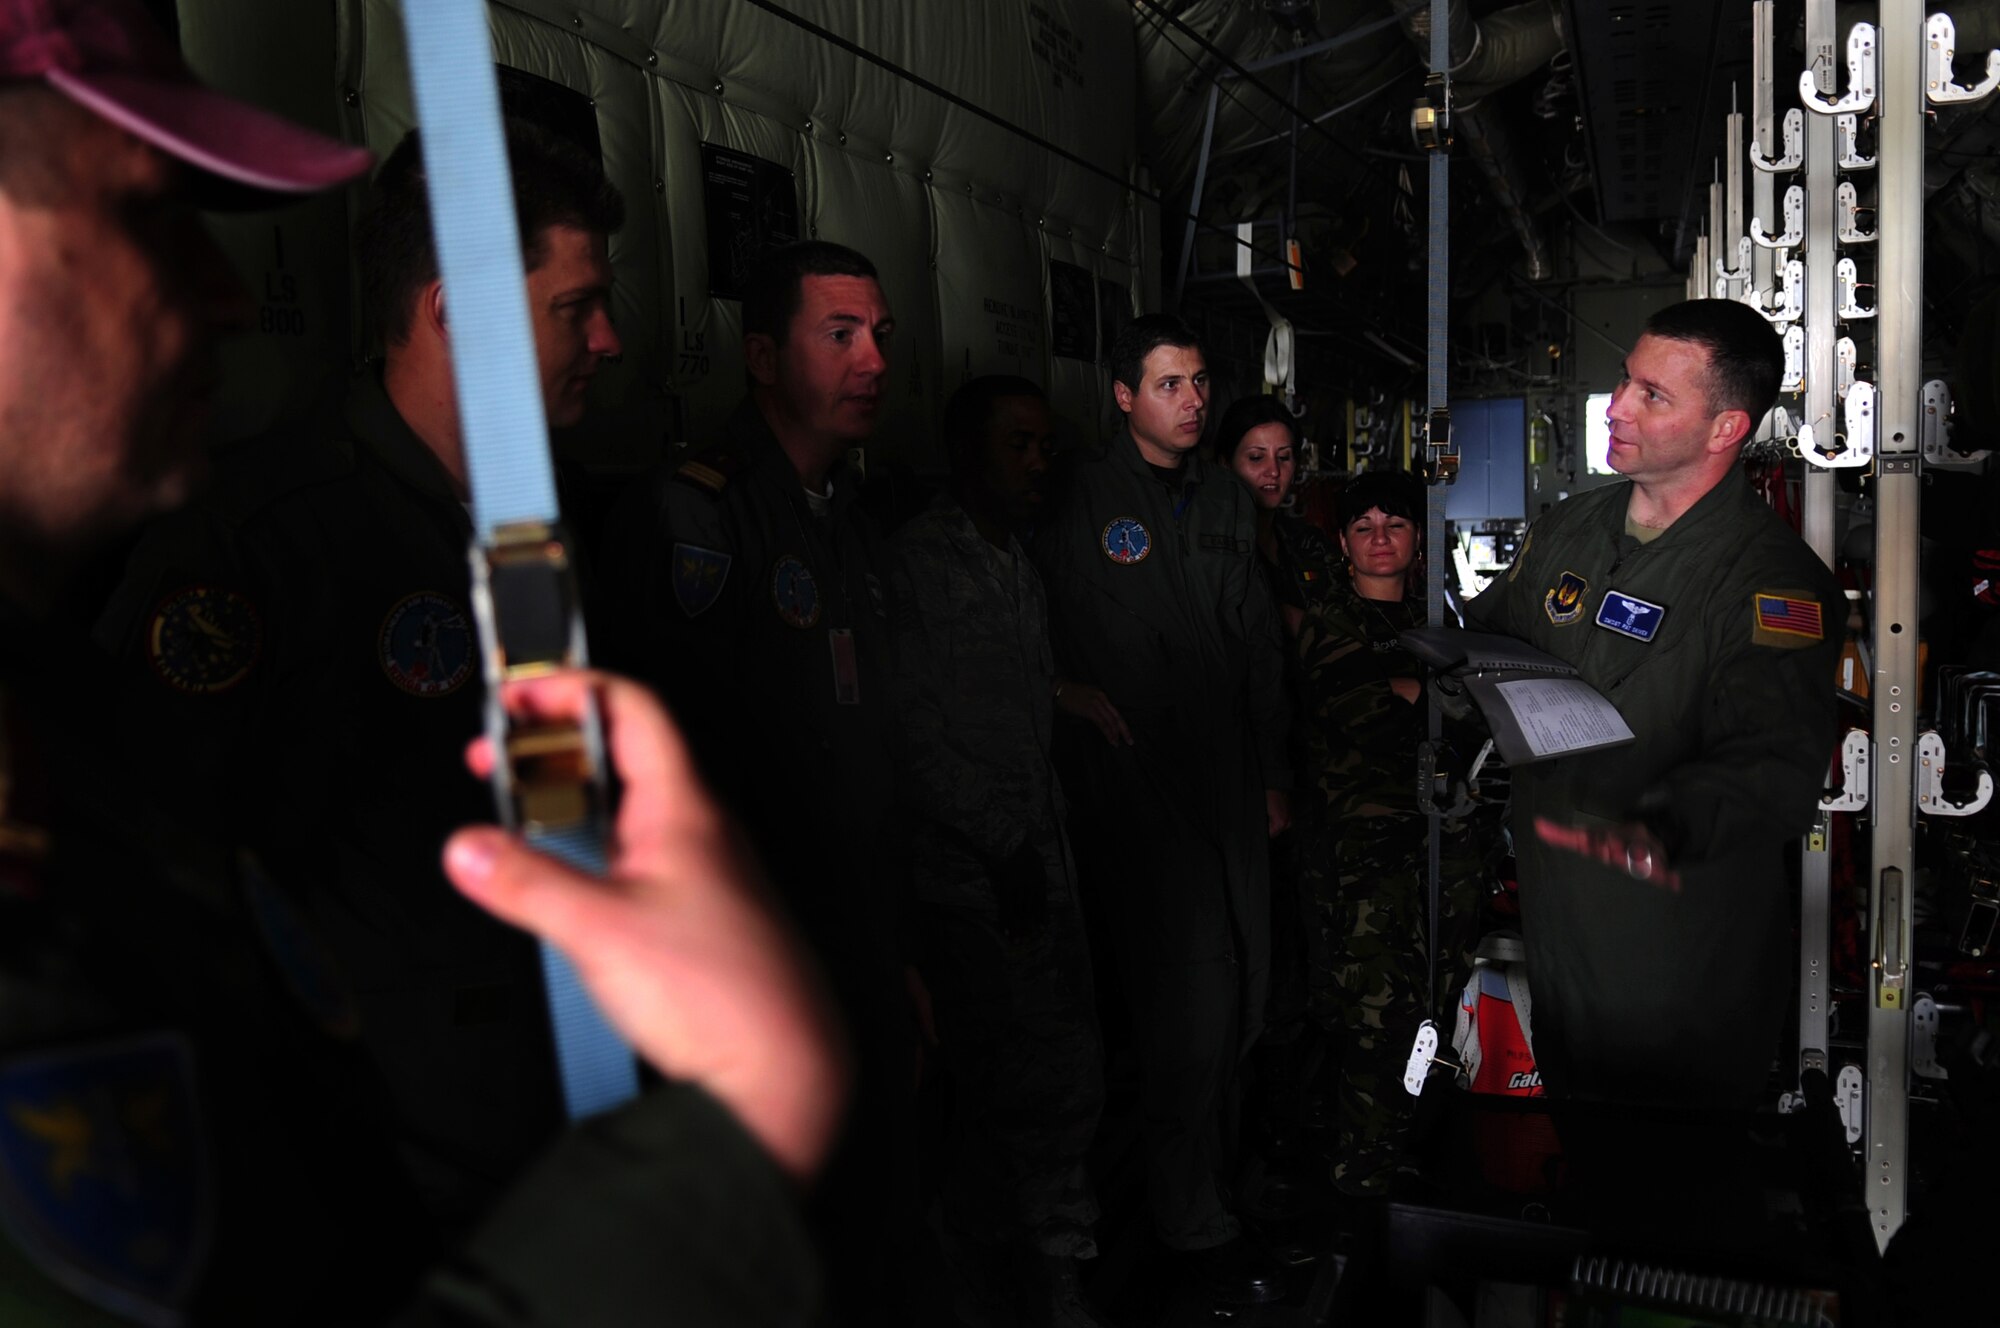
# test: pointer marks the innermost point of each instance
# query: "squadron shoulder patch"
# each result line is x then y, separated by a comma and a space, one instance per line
104, 1171
1514, 568
1564, 601
1787, 618
425, 645
698, 577
1125, 541
794, 592
710, 472
204, 639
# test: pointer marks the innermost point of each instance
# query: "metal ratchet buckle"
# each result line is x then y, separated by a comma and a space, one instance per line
1430, 119
547, 777
1440, 454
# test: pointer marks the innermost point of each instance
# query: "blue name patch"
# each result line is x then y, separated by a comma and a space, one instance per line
1637, 618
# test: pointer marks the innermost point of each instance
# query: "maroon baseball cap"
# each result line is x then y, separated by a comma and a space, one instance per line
110, 57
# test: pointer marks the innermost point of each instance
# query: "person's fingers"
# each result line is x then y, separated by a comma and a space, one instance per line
479, 757
1118, 723
664, 798
1571, 839
530, 890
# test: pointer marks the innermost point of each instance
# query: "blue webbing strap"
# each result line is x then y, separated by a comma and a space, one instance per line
1438, 399
506, 437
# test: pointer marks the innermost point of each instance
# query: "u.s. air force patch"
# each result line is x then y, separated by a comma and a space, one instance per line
1785, 618
1564, 600
204, 639
794, 592
425, 645
104, 1175
698, 577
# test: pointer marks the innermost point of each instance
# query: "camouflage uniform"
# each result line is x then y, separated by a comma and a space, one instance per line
1364, 862
1001, 940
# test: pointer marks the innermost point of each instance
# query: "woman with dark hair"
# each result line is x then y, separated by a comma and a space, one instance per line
1363, 844
1259, 440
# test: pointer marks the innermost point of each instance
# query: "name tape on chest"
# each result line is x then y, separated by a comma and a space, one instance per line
1628, 615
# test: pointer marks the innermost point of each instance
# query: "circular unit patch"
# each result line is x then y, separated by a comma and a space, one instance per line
794, 592
204, 639
1126, 541
425, 645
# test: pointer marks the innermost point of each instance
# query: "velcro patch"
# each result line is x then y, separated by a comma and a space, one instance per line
1788, 618
698, 577
104, 1174
204, 639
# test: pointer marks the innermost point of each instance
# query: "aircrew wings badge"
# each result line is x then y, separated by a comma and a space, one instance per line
1787, 618
698, 577
1564, 600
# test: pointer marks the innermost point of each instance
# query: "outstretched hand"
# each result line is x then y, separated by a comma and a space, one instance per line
1631, 849
676, 943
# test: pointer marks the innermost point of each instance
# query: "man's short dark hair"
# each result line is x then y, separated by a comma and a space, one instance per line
1746, 359
1140, 338
772, 299
1245, 414
970, 412
1393, 492
556, 183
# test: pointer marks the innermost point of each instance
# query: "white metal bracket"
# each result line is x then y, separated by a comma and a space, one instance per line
1422, 1053
1939, 85
1850, 1096
1790, 297
1848, 285
1795, 222
1795, 359
1934, 428
1860, 95
1854, 774
1741, 272
1847, 207
1857, 446
1930, 781
1794, 138
1847, 135
1844, 360
1923, 1038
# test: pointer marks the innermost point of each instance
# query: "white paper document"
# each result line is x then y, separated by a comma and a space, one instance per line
1559, 715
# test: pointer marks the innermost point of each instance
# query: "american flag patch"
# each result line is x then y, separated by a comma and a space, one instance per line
1794, 617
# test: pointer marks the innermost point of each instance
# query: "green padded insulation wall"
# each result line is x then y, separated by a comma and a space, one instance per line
722, 122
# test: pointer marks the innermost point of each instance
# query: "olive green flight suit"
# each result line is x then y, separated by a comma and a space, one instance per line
1641, 993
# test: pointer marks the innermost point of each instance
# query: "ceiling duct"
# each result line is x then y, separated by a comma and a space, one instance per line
1486, 55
